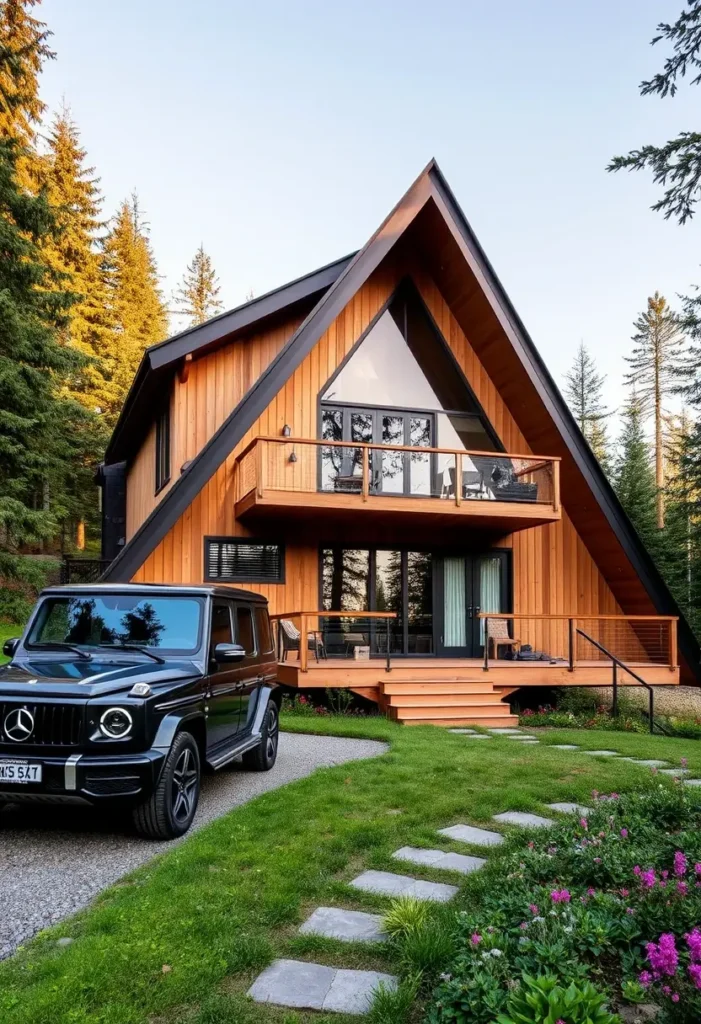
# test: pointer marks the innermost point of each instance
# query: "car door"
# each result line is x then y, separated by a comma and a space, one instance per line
223, 681
249, 672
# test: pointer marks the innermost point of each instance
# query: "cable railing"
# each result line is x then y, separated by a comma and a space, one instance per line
371, 470
360, 635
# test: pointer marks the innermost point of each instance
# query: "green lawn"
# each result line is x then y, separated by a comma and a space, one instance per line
180, 940
7, 631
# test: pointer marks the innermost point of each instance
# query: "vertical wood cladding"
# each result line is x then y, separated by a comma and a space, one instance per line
553, 571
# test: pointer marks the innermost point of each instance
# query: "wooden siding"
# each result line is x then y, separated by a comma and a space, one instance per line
215, 384
552, 569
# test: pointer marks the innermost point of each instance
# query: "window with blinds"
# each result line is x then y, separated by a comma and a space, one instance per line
242, 560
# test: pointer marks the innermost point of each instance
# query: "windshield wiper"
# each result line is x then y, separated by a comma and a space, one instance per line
57, 645
134, 647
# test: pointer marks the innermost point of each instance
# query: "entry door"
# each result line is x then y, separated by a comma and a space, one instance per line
397, 472
467, 585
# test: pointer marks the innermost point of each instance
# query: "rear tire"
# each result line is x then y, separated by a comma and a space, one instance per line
263, 757
169, 811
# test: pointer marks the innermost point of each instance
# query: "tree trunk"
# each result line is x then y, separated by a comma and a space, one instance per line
80, 536
659, 459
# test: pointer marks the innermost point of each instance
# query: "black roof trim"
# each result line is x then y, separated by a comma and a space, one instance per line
586, 461
260, 395
166, 353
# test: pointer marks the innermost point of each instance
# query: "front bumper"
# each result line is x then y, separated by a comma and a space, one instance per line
85, 778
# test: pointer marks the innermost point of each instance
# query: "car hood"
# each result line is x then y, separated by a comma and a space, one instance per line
65, 677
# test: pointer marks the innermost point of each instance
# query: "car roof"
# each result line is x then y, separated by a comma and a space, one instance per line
154, 589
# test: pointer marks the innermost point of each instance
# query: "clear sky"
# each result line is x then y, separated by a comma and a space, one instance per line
279, 133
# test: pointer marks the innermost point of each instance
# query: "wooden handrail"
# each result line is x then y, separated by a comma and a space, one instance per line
336, 615
545, 459
579, 615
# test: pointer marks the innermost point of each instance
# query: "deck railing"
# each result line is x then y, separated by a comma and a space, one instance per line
368, 470
359, 632
582, 639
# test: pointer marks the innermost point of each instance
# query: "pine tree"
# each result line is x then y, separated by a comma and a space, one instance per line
72, 189
654, 365
583, 390
198, 293
135, 301
634, 480
24, 41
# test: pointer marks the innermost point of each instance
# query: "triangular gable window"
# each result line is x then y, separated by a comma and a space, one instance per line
403, 363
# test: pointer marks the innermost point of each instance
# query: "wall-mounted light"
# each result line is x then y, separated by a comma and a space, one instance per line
286, 430
292, 458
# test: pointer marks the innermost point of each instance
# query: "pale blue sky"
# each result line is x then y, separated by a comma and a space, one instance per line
279, 134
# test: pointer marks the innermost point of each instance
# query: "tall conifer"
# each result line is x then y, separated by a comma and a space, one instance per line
198, 294
583, 390
634, 479
135, 300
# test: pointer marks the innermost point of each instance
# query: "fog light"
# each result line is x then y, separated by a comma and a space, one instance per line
116, 723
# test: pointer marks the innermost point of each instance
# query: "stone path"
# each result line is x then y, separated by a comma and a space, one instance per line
301, 985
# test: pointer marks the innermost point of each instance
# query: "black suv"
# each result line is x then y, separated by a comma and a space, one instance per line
122, 694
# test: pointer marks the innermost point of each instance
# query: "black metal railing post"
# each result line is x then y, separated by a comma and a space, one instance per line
614, 706
651, 711
570, 627
486, 644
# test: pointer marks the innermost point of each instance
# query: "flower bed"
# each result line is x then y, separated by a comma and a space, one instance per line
586, 920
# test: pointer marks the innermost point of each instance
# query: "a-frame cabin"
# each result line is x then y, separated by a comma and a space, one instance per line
379, 449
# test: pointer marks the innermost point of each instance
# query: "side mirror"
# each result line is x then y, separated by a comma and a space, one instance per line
10, 646
226, 654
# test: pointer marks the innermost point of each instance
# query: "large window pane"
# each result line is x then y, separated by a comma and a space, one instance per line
345, 587
331, 457
420, 602
393, 461
420, 465
388, 598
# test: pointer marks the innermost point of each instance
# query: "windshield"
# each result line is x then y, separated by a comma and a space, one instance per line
94, 620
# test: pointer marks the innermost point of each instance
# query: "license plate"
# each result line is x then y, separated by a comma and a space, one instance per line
19, 771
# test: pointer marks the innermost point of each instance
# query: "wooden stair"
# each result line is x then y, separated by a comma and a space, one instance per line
447, 702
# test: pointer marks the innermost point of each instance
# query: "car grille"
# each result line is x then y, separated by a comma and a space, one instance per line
55, 725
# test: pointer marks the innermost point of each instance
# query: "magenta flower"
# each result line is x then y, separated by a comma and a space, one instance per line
648, 878
680, 864
523, 925
533, 909
663, 956
645, 978
475, 939
597, 860
591, 892
560, 896
693, 941
697, 868
637, 870
624, 833
624, 893
682, 888
675, 997
583, 823
695, 972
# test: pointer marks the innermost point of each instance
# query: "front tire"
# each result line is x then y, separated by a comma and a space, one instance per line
169, 811
263, 757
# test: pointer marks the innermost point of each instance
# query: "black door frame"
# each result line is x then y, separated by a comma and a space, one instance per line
473, 647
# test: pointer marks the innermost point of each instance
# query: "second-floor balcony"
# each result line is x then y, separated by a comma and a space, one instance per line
303, 476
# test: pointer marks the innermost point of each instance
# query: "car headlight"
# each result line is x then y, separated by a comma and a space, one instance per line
116, 723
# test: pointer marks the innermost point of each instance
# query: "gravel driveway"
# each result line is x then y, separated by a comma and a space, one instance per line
53, 860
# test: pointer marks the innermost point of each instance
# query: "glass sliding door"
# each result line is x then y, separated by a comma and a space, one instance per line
455, 587
468, 584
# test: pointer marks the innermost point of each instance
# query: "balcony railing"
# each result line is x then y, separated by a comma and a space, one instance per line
356, 634
391, 471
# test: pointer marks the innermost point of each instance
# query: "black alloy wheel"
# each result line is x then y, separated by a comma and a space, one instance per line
169, 811
263, 757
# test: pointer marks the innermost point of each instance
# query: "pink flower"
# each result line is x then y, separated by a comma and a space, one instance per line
663, 957
693, 941
680, 864
637, 870
648, 878
654, 771
560, 896
624, 892
533, 909
475, 939
614, 796
684, 763
682, 888
697, 868
583, 823
675, 997
695, 972
591, 892
629, 910
624, 833
597, 860
645, 978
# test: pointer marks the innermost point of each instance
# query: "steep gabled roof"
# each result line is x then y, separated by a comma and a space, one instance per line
160, 360
429, 215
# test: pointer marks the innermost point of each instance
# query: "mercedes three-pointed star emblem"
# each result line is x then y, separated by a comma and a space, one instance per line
19, 725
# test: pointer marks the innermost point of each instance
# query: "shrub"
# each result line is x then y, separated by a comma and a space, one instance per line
543, 1000
394, 1006
404, 914
425, 948
21, 579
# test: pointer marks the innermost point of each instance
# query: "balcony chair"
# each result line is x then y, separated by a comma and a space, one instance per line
290, 636
472, 483
499, 637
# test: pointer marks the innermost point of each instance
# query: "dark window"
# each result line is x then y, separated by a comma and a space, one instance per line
163, 449
241, 560
244, 628
265, 636
221, 623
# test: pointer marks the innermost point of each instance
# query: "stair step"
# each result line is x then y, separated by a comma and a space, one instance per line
479, 712
443, 700
442, 686
465, 719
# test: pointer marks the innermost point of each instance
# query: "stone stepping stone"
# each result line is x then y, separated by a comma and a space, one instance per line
503, 732
564, 746
477, 736
649, 763
463, 732
387, 884
440, 859
524, 819
315, 987
521, 737
676, 772
601, 753
567, 808
471, 834
692, 782
346, 925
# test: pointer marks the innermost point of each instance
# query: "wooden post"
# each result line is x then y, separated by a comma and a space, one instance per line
80, 536
366, 472
673, 656
458, 478
303, 643
485, 667
261, 451
556, 486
